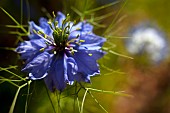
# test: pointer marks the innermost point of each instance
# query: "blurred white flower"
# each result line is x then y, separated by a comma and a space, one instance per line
147, 39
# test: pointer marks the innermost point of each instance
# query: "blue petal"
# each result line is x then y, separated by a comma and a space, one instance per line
39, 66
77, 27
30, 48
92, 40
72, 69
60, 17
45, 26
96, 54
87, 63
82, 77
87, 27
26, 49
83, 27
32, 77
57, 76
33, 26
80, 29
43, 22
75, 31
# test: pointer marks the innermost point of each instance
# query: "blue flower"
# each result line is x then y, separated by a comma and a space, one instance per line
145, 38
61, 52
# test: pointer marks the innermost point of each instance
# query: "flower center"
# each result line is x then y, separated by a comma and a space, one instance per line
60, 33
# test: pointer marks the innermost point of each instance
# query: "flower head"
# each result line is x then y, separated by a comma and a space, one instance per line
146, 38
61, 52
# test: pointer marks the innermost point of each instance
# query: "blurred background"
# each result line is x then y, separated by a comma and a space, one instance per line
135, 28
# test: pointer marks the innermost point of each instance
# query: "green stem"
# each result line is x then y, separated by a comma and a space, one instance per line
22, 28
15, 98
12, 73
84, 97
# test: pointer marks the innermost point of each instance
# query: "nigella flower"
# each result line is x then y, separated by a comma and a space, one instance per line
146, 38
61, 52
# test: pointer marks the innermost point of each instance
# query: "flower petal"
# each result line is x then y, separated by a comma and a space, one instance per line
38, 66
33, 26
45, 26
82, 77
91, 40
87, 62
60, 17
87, 27
57, 76
87, 65
72, 69
30, 48
81, 28
26, 49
